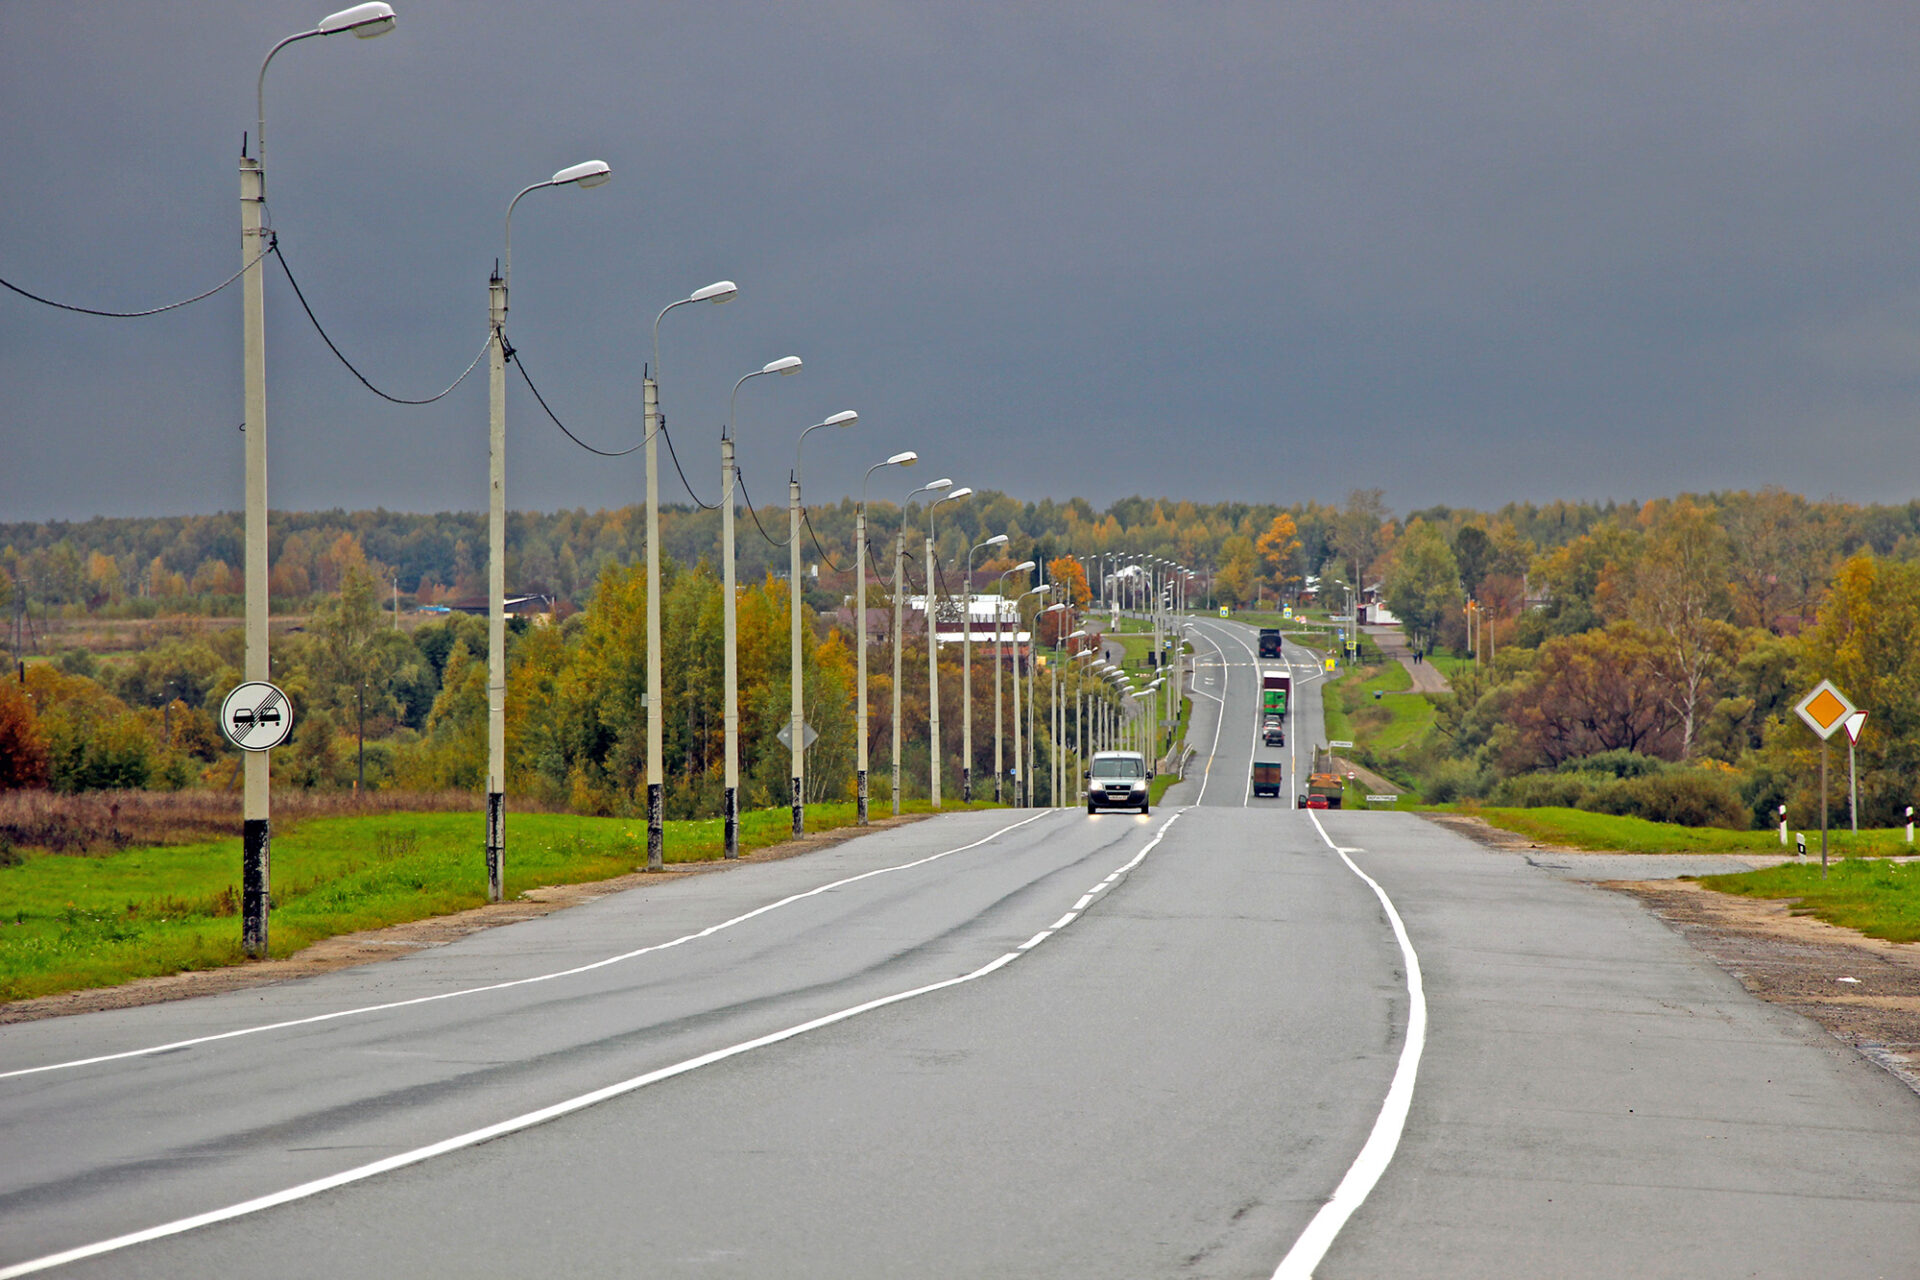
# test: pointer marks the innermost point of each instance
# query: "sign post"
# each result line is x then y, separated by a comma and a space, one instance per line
1824, 710
1853, 723
256, 718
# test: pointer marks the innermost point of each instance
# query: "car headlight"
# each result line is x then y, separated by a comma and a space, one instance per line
1140, 786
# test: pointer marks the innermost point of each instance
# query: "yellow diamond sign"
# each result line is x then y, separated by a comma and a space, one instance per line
1825, 709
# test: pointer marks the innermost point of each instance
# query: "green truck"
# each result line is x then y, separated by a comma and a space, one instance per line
1276, 684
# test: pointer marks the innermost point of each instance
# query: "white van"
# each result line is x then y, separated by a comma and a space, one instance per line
1117, 780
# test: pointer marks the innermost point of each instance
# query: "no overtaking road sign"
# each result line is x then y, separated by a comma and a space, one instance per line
256, 716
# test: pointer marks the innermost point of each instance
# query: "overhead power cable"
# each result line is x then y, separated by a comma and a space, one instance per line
807, 518
668, 437
513, 357
273, 247
747, 499
150, 311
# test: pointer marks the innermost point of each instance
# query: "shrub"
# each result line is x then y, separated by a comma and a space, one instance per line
1619, 764
1446, 781
1544, 790
1690, 797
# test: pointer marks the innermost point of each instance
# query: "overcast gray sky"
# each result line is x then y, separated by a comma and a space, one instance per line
1467, 253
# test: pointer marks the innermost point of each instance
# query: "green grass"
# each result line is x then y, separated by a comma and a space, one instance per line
1579, 829
70, 921
1386, 726
1879, 898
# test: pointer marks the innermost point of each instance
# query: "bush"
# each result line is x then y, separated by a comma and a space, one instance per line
1446, 781
1689, 797
1544, 790
1619, 764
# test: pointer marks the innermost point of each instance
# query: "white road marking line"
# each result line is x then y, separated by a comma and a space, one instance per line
1063, 921
1374, 1157
517, 982
1035, 940
1084, 900
518, 1123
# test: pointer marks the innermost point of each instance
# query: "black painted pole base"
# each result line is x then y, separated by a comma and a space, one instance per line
656, 832
799, 811
255, 845
496, 845
966, 785
861, 791
730, 809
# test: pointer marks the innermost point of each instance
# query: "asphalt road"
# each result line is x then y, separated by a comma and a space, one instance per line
1078, 1046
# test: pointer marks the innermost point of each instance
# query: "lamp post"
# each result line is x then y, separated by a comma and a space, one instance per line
905, 459
899, 595
1033, 697
999, 660
364, 21
933, 648
717, 292
966, 668
590, 173
730, 644
1021, 792
845, 418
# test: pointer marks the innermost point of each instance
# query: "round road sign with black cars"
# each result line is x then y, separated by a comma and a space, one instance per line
256, 716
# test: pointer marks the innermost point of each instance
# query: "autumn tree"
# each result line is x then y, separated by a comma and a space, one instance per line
1597, 691
1358, 531
23, 747
1423, 581
1277, 549
1680, 599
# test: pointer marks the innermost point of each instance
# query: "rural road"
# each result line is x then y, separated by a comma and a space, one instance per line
1027, 1043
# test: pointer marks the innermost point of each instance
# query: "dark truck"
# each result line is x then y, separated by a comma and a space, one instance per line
1269, 642
1268, 777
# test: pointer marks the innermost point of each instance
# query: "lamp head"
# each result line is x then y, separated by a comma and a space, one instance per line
997, 540
962, 492
944, 482
906, 459
718, 291
365, 21
1025, 566
588, 173
784, 365
1077, 635
1053, 608
844, 418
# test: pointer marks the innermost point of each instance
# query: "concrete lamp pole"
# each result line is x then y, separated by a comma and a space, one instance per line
906, 459
590, 173
364, 21
1033, 697
1020, 792
933, 648
999, 661
966, 668
717, 292
899, 596
845, 418
730, 644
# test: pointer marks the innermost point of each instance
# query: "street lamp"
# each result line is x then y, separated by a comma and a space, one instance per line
933, 649
717, 292
590, 173
899, 592
1033, 697
966, 668
845, 418
364, 20
905, 459
730, 713
999, 660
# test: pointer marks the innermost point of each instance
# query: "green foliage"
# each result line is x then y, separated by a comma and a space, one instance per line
1879, 898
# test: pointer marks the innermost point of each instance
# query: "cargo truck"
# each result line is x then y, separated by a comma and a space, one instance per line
1276, 684
1326, 786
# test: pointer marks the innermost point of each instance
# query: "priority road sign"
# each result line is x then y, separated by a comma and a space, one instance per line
256, 716
1825, 709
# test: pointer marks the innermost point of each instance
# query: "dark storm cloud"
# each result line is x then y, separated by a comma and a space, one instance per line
1252, 252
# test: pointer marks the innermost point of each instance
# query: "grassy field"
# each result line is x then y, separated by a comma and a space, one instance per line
71, 921
1879, 898
1578, 829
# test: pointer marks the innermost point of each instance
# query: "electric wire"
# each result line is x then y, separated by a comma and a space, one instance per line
807, 518
668, 437
747, 498
150, 311
513, 356
273, 247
